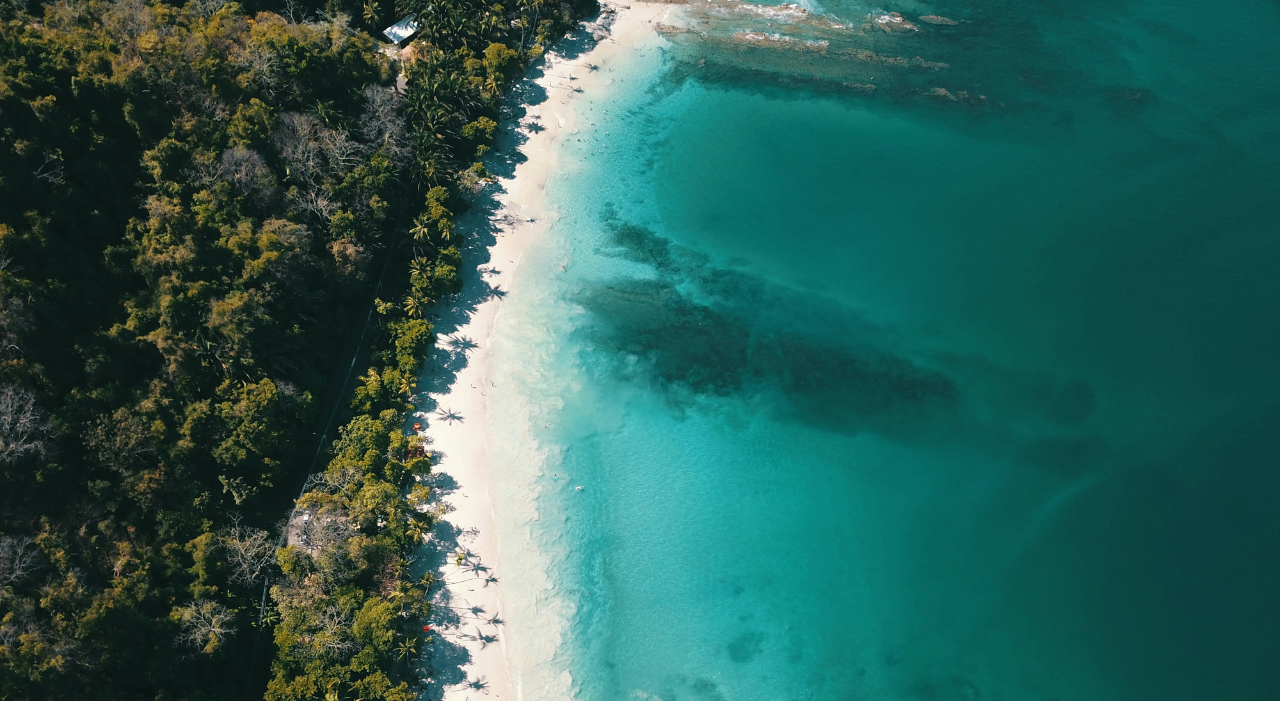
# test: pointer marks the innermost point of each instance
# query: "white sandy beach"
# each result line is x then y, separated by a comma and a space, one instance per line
457, 427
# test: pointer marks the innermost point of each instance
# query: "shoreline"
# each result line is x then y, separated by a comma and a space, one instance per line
466, 620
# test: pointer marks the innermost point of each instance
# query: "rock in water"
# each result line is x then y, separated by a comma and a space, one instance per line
891, 22
935, 19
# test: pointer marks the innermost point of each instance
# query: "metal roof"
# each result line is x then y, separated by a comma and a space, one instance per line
403, 30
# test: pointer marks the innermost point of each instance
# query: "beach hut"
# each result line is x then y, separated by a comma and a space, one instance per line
402, 31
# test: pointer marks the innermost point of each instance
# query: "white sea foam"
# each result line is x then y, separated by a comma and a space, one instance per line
813, 6
524, 348
533, 367
785, 11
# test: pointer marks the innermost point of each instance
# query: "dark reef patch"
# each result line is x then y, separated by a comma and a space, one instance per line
697, 329
746, 646
704, 330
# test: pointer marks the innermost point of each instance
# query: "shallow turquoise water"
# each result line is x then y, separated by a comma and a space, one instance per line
886, 398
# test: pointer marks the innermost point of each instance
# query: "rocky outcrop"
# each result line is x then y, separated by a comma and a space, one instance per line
780, 41
944, 95
896, 61
892, 23
938, 20
786, 15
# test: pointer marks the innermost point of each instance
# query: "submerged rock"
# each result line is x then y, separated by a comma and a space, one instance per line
891, 22
897, 61
944, 95
780, 12
786, 14
779, 41
936, 19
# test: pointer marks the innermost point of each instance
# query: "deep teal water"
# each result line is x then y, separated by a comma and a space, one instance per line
882, 397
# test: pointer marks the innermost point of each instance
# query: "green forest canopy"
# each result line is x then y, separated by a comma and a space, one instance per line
195, 203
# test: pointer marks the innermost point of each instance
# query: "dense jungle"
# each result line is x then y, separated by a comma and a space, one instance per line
203, 208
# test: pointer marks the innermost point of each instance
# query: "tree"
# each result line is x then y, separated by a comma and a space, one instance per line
415, 306
251, 552
205, 625
412, 339
421, 229
19, 556
195, 197
23, 429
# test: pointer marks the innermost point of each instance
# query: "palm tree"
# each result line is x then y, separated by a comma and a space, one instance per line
455, 26
371, 12
415, 305
421, 230
430, 168
406, 648
438, 119
325, 112
492, 85
416, 531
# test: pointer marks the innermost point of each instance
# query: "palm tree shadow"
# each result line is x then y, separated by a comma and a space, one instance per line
443, 663
485, 221
461, 344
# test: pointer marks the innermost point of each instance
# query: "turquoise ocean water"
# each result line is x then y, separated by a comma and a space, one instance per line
896, 394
